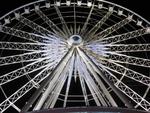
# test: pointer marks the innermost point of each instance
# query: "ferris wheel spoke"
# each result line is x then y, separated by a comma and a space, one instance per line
43, 31
82, 81
26, 57
124, 72
104, 97
125, 36
21, 46
111, 29
84, 28
55, 86
120, 58
141, 78
24, 89
52, 87
96, 93
70, 73
75, 21
21, 34
53, 78
93, 92
107, 98
93, 70
99, 24
78, 29
52, 55
57, 90
22, 71
82, 72
129, 48
134, 96
65, 27
128, 91
58, 87
51, 24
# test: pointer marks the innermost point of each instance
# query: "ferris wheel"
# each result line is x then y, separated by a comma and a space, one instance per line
74, 53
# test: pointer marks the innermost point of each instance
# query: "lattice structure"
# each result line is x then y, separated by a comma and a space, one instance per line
73, 53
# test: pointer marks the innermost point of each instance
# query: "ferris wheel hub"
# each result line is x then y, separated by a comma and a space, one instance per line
75, 40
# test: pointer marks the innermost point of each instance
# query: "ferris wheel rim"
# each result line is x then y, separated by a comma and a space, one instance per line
105, 1
77, 41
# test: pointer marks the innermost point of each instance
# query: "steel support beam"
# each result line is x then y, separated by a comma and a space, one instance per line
45, 82
117, 92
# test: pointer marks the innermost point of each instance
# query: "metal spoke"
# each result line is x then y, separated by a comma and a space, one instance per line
125, 36
75, 24
70, 72
127, 72
51, 24
82, 73
21, 46
91, 84
56, 91
84, 28
35, 26
65, 27
122, 70
93, 70
28, 86
128, 47
84, 90
134, 96
99, 24
24, 89
57, 72
26, 57
22, 34
83, 80
103, 95
111, 29
58, 87
22, 71
128, 91
120, 58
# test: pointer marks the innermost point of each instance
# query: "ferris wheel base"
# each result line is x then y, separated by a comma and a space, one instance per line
90, 110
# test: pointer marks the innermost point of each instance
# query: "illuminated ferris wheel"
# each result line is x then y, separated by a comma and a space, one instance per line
74, 53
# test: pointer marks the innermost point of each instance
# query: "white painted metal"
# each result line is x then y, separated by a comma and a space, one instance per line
42, 46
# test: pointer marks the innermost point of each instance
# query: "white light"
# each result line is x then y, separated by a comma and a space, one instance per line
26, 10
148, 30
139, 23
111, 9
68, 2
120, 12
58, 3
17, 15
7, 20
89, 4
130, 17
100, 6
79, 3
47, 5
37, 7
